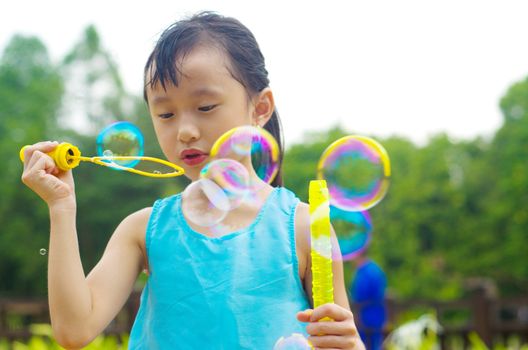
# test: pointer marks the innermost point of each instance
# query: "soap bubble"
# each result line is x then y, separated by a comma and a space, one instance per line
222, 186
121, 139
204, 203
43, 251
249, 142
353, 230
357, 170
296, 341
231, 176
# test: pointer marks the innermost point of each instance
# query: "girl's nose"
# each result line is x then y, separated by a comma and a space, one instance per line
188, 130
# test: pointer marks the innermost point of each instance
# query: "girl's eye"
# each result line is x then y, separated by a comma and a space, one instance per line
206, 108
165, 115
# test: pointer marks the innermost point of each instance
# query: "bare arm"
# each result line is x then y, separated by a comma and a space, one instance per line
81, 307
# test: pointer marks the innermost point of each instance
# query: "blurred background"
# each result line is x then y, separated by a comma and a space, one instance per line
443, 87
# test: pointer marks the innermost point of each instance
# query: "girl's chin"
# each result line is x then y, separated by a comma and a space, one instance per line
192, 174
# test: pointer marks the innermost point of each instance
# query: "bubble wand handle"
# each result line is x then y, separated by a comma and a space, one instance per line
67, 156
321, 245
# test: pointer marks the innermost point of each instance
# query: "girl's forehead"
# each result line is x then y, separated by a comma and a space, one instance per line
201, 65
204, 61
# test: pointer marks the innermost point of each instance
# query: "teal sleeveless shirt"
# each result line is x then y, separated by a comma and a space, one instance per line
238, 291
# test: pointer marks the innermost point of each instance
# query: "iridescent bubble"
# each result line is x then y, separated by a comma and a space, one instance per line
204, 203
231, 176
43, 251
248, 143
296, 341
353, 230
357, 170
122, 139
223, 185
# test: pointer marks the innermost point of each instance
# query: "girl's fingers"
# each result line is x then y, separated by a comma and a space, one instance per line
44, 147
331, 328
338, 333
333, 342
304, 316
37, 172
333, 311
37, 163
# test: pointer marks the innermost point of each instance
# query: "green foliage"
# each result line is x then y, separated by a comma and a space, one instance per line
42, 339
30, 92
32, 99
455, 210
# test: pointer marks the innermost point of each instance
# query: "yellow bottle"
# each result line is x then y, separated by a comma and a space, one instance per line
321, 245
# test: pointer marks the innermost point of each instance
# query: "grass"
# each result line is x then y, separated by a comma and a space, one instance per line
42, 339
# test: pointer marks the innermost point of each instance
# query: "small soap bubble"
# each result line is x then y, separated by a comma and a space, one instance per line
122, 139
353, 230
204, 203
43, 251
296, 341
231, 176
357, 171
222, 186
250, 144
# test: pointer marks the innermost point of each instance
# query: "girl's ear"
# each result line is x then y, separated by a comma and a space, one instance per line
264, 106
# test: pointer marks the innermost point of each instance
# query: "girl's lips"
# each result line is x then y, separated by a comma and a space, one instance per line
194, 160
193, 156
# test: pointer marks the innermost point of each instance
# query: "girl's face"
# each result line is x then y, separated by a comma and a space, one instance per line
207, 102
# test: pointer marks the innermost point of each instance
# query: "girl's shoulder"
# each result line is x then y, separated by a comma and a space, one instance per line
138, 218
134, 227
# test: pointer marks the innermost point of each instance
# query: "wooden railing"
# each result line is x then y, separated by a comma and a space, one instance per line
493, 319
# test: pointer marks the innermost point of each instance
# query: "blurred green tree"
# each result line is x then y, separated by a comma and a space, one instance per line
455, 209
30, 94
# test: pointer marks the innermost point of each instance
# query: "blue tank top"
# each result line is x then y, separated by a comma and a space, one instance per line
238, 291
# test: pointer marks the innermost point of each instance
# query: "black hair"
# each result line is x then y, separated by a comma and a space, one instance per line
234, 38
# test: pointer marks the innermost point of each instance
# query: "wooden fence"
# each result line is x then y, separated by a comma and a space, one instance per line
493, 319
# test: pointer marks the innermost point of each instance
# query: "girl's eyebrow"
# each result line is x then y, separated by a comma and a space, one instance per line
159, 99
199, 92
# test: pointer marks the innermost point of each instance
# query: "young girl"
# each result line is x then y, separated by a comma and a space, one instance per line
242, 290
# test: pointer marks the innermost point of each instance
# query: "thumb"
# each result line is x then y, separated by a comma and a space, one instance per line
304, 316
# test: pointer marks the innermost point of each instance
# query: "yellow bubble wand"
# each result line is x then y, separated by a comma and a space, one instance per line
67, 156
321, 245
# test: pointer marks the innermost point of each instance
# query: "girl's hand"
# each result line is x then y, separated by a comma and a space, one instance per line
341, 333
41, 174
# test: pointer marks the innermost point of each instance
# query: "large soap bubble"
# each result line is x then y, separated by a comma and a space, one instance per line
357, 170
249, 143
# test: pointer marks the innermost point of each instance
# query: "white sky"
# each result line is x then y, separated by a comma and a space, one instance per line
378, 67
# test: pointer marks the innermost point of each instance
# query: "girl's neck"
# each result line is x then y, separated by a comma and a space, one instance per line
240, 217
